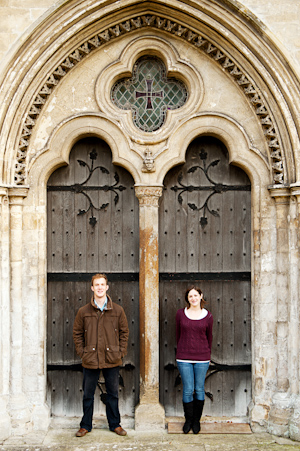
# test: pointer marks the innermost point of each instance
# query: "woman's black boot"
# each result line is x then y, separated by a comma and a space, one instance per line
188, 408
197, 413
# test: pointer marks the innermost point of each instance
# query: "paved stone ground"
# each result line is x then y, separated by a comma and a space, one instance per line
104, 440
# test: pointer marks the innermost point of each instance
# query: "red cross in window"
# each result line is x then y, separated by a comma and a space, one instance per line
149, 94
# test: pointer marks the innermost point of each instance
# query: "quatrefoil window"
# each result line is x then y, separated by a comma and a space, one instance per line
149, 94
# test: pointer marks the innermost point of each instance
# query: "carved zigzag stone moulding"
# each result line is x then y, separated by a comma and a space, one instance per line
202, 43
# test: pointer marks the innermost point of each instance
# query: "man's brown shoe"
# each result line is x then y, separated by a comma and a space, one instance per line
81, 432
120, 431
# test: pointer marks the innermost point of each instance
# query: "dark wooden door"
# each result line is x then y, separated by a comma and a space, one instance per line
92, 228
205, 239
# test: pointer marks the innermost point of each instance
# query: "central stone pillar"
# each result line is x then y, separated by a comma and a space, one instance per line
149, 414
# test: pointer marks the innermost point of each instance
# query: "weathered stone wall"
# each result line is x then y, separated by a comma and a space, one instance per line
18, 17
281, 17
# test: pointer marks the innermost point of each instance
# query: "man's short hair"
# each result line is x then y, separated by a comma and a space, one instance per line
100, 276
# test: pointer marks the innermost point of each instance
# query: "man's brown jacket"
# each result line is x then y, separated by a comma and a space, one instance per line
101, 337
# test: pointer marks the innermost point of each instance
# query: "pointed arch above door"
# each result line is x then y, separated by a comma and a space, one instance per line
234, 46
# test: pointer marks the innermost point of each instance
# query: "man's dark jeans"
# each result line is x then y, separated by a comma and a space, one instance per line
90, 379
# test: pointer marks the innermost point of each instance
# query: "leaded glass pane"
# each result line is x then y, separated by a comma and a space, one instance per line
149, 94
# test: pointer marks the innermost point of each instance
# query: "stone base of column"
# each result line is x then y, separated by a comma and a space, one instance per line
5, 421
294, 423
280, 414
149, 417
41, 417
21, 423
258, 415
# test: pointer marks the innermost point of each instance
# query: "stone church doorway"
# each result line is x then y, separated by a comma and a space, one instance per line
205, 240
92, 227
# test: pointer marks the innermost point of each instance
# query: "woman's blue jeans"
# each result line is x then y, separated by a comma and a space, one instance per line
193, 379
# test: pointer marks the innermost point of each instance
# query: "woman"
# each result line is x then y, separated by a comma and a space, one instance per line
194, 339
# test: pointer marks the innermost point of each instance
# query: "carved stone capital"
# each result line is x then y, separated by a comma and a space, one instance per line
295, 191
280, 194
3, 195
17, 195
148, 195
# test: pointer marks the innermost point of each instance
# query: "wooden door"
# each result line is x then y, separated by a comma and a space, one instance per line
92, 227
205, 239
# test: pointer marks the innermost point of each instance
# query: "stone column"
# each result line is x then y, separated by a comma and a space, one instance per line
280, 411
149, 414
5, 422
294, 324
18, 407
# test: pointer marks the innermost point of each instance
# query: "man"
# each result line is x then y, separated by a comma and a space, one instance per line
100, 335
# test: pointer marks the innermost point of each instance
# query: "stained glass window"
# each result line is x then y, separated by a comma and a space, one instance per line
149, 94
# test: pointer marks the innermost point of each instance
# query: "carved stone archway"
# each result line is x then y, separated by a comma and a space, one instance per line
39, 125
235, 54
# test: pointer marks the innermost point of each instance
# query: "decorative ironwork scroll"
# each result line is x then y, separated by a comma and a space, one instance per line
82, 188
149, 94
215, 188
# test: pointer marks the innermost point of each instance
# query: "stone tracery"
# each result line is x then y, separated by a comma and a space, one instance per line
149, 94
243, 80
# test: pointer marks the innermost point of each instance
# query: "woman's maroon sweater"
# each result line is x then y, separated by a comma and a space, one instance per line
193, 337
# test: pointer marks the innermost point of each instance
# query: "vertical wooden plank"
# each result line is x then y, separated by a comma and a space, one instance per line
50, 231
49, 322
180, 289
68, 321
105, 231
56, 393
163, 293
181, 239
116, 230
57, 322
170, 306
216, 308
241, 392
55, 246
215, 387
68, 232
78, 394
228, 232
130, 250
216, 237
79, 152
130, 373
194, 235
103, 227
245, 231
93, 244
239, 336
228, 323
81, 295
167, 226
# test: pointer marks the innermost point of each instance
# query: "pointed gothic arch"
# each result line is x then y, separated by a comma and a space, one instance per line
243, 53
238, 53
